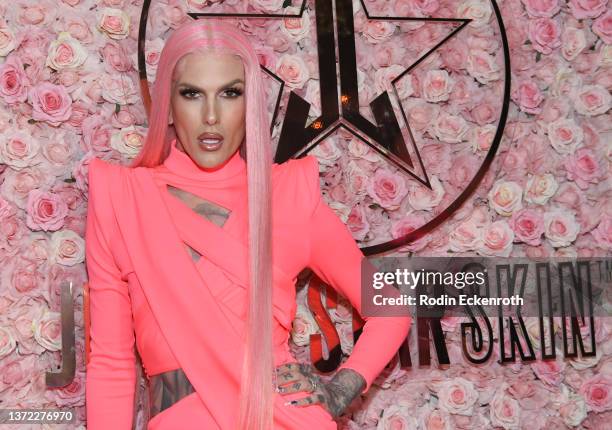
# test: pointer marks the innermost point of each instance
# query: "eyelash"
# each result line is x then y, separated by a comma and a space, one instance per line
186, 91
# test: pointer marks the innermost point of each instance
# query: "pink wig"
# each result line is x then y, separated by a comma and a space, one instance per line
256, 401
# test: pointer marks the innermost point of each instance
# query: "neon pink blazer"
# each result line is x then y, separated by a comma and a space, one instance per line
146, 291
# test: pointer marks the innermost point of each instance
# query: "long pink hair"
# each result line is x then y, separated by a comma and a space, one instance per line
256, 399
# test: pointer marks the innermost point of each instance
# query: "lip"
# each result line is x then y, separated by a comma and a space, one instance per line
210, 136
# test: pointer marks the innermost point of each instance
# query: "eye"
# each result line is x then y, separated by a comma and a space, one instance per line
233, 92
188, 93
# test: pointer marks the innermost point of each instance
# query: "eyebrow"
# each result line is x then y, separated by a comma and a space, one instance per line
229, 84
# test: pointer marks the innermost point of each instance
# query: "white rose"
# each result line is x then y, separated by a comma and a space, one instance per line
128, 141
505, 411
560, 228
497, 239
67, 247
482, 137
466, 236
66, 53
47, 330
303, 326
505, 197
565, 83
457, 396
478, 11
565, 135
482, 66
437, 86
540, 188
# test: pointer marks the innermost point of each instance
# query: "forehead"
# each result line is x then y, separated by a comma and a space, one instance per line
208, 68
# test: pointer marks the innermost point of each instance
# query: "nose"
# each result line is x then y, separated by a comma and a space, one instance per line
210, 111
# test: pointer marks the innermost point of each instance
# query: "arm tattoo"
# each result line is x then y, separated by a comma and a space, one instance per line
344, 387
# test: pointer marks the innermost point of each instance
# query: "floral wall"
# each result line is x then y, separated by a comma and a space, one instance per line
69, 92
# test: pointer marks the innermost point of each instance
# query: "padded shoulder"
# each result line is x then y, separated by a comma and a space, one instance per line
298, 179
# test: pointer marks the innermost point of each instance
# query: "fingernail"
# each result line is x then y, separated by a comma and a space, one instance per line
291, 402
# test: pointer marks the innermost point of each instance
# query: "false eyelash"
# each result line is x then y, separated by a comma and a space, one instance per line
235, 90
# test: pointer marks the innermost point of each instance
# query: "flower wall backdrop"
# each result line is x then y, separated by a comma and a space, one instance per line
69, 92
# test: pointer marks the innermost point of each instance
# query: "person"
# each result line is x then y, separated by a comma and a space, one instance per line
193, 253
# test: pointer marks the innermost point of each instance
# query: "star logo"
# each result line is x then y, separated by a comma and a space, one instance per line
340, 108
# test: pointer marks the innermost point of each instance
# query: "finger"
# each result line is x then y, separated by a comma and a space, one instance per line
286, 367
296, 386
308, 400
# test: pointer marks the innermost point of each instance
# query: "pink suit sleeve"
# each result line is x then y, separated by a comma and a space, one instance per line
111, 372
336, 259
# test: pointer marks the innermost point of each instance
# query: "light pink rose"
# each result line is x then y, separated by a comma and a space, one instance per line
540, 188
560, 228
18, 149
457, 396
96, 133
118, 89
14, 83
115, 57
569, 195
574, 41
436, 158
597, 392
603, 27
406, 225
449, 128
541, 8
421, 198
387, 189
384, 76
462, 171
436, 86
466, 236
528, 96
293, 70
267, 5
8, 42
505, 197
66, 53
497, 239
45, 211
592, 100
72, 394
47, 330
565, 135
505, 411
114, 22
528, 226
574, 411
548, 371
482, 137
454, 56
482, 66
357, 222
544, 34
79, 28
420, 114
51, 103
378, 31
587, 8
397, 416
477, 10
486, 111
356, 179
67, 248
583, 168
603, 233
553, 109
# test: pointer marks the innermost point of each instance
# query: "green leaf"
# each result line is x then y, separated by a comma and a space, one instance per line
117, 108
31, 121
538, 56
287, 3
70, 180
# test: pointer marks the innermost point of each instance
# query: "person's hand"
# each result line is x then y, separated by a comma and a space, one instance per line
334, 395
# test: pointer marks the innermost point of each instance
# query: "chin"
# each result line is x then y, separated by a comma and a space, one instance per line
210, 161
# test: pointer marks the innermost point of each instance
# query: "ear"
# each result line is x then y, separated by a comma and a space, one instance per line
170, 119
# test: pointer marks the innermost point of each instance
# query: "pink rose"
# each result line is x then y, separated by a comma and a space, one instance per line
47, 330
463, 169
18, 149
583, 168
387, 189
587, 8
541, 8
592, 100
114, 22
569, 195
14, 83
45, 211
356, 179
378, 31
560, 228
497, 239
540, 188
293, 70
505, 411
548, 371
115, 57
574, 41
482, 66
437, 158
528, 96
603, 27
385, 75
565, 135
437, 86
357, 222
466, 236
457, 396
597, 392
544, 34
420, 114
484, 112
50, 103
553, 109
449, 128
603, 233
406, 225
528, 226
421, 198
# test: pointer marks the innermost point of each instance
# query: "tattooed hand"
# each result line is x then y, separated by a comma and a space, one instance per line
334, 395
